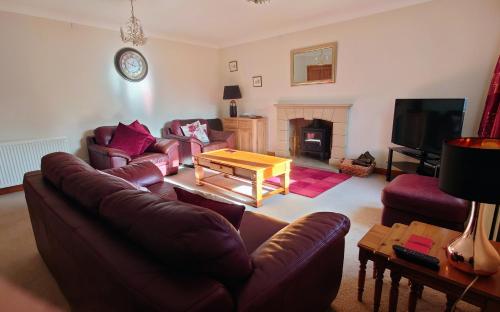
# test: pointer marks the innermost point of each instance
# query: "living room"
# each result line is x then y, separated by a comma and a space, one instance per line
66, 76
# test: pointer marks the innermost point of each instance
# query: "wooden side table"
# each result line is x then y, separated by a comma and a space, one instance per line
376, 245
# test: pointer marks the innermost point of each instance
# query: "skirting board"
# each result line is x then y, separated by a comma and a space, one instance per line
11, 189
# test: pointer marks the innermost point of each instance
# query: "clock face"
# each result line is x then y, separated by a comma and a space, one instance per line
131, 64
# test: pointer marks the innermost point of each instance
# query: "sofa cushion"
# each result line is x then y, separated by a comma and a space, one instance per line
155, 158
421, 195
142, 173
129, 140
232, 212
179, 234
137, 126
89, 188
56, 166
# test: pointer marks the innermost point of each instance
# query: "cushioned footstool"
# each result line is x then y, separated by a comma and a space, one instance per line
412, 197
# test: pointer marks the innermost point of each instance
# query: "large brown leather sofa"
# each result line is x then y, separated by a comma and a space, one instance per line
189, 146
164, 153
99, 236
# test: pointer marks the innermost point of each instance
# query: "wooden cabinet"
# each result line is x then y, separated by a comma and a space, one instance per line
251, 134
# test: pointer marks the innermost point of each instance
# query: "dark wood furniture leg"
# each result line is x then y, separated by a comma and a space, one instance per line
450, 301
393, 297
389, 166
379, 281
414, 295
363, 259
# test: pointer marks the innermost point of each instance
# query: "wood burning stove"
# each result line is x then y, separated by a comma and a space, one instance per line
316, 139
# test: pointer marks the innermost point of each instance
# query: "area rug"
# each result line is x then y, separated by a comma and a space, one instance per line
311, 182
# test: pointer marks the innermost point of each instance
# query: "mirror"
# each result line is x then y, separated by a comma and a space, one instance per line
314, 64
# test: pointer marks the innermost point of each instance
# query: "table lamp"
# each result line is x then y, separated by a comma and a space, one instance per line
470, 169
232, 93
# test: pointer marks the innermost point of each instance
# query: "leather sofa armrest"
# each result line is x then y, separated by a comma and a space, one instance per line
184, 139
226, 136
164, 146
299, 268
108, 151
142, 174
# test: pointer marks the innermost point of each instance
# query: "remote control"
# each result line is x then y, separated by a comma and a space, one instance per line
416, 257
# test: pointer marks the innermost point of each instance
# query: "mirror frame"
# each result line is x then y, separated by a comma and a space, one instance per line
332, 45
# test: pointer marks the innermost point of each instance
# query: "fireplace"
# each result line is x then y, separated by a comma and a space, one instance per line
286, 143
316, 139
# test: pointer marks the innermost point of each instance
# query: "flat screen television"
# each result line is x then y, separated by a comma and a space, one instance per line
424, 124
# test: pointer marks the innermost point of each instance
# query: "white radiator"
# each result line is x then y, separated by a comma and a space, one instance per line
17, 158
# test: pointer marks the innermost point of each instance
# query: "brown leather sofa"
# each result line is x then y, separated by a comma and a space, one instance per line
189, 147
164, 153
97, 233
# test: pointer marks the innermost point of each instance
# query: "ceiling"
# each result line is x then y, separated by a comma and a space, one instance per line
216, 23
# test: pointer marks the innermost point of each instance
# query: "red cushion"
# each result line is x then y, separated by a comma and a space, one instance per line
136, 125
232, 212
128, 140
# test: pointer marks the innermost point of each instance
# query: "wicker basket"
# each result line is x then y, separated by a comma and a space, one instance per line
346, 166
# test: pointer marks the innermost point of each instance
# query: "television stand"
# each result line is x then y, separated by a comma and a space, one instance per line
428, 163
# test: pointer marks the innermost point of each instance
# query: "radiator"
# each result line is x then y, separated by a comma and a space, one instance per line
17, 158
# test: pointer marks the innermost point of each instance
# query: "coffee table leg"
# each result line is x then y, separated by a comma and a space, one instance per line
285, 180
414, 295
257, 189
199, 173
393, 297
379, 281
363, 259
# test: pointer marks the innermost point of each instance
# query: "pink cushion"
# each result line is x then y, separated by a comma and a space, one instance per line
232, 212
128, 140
136, 125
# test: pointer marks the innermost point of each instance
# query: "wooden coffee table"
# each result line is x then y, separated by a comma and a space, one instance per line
376, 245
252, 167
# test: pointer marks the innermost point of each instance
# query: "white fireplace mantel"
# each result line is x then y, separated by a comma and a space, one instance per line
338, 114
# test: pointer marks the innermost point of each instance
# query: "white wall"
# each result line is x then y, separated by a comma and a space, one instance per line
443, 48
58, 79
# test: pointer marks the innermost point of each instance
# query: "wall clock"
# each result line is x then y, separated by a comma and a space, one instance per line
131, 64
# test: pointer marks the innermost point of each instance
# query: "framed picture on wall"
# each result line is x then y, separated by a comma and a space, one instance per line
257, 81
233, 66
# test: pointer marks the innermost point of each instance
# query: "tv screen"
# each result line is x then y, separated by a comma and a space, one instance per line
424, 124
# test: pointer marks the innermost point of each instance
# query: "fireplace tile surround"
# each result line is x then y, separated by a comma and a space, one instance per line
338, 114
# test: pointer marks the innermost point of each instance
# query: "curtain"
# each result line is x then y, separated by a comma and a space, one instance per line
490, 123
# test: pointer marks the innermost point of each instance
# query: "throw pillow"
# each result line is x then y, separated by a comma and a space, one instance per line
128, 140
136, 125
196, 130
232, 212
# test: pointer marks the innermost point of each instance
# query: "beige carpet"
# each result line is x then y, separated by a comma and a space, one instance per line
357, 198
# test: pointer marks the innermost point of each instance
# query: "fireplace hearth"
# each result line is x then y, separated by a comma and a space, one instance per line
316, 139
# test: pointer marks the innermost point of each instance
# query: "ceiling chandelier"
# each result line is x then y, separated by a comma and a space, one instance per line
133, 30
259, 1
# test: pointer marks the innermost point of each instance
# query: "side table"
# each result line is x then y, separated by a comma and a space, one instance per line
376, 245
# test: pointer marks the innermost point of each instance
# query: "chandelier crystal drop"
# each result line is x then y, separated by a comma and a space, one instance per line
133, 30
259, 1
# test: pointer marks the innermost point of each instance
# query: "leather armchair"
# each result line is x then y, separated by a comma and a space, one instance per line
164, 153
189, 147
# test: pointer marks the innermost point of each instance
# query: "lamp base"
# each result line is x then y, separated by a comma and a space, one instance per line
472, 252
233, 109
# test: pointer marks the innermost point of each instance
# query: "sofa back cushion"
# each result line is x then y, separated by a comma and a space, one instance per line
175, 126
185, 236
103, 135
57, 166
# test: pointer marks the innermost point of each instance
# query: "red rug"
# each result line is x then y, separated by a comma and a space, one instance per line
311, 182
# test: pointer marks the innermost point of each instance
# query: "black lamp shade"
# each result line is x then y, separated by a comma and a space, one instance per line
232, 93
470, 169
